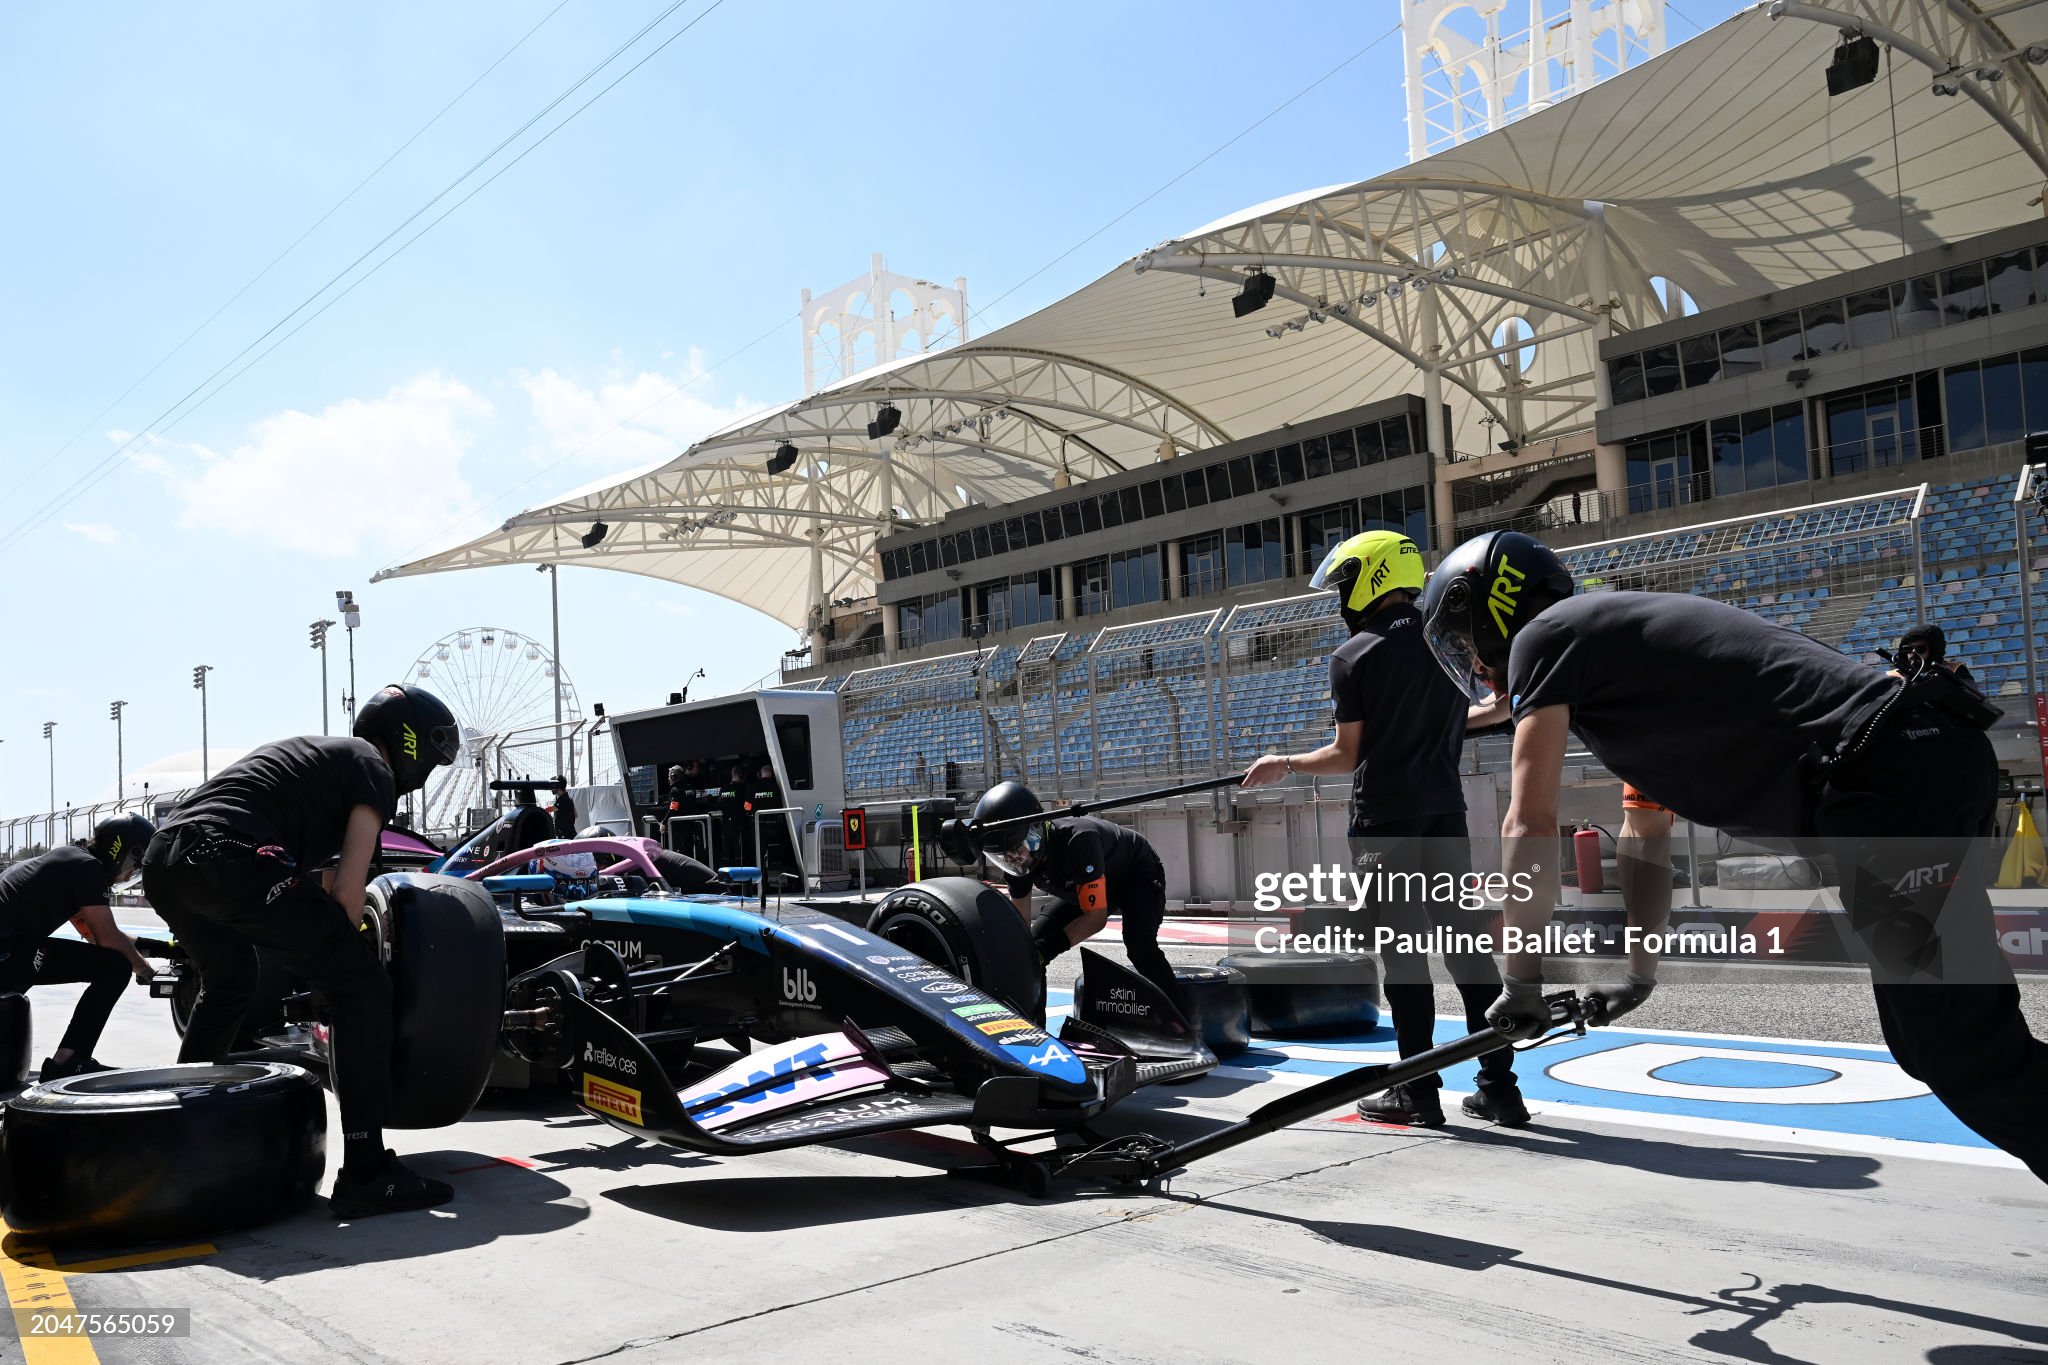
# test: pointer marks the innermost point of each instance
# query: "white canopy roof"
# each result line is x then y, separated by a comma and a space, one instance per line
1722, 166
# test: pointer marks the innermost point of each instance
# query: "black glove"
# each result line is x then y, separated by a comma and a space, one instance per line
1521, 1012
1605, 1004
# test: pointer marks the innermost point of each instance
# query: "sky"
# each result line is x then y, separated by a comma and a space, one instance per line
181, 179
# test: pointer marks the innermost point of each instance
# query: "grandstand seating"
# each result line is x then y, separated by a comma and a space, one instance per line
1828, 570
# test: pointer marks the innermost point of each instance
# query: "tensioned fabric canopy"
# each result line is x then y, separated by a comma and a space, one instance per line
1488, 273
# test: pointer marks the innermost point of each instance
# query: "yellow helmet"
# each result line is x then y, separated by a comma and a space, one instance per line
1368, 566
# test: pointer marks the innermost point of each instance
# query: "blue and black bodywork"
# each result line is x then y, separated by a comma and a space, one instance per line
857, 1034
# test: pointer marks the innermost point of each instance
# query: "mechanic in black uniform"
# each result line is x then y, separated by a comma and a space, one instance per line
236, 868
1400, 727
1927, 646
563, 810
1749, 727
37, 895
1092, 868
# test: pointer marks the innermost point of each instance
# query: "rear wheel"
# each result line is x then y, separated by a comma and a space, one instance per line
974, 930
161, 1153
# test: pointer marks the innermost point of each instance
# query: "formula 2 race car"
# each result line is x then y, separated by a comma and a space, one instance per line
863, 1035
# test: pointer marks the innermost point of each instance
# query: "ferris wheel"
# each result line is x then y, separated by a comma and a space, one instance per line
501, 685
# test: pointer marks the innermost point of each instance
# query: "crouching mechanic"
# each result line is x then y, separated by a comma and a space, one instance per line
1091, 867
37, 895
1400, 727
233, 871
1749, 727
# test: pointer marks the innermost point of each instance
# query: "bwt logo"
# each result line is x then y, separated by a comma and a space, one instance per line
1500, 598
809, 1057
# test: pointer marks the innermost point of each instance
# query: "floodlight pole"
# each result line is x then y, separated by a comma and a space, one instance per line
199, 684
120, 758
319, 629
50, 734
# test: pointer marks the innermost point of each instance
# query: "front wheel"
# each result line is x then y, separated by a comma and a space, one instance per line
974, 930
445, 949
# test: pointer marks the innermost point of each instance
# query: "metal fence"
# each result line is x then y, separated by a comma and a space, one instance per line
458, 803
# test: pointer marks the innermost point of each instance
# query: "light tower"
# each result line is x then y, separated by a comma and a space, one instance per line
1473, 68
874, 318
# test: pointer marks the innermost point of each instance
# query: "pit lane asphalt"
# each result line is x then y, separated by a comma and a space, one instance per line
1570, 1240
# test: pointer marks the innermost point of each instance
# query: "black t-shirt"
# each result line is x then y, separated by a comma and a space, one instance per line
1706, 707
37, 895
564, 814
295, 793
1080, 848
1414, 719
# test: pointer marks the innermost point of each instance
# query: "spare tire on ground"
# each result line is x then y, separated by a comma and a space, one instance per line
17, 1040
161, 1153
973, 930
1309, 995
444, 945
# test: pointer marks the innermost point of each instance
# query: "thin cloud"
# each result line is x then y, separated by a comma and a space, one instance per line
98, 532
361, 474
626, 421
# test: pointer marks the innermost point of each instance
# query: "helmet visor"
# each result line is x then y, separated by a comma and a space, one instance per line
1018, 854
1325, 578
1456, 654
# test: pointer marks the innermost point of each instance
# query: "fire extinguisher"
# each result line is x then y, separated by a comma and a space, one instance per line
1586, 854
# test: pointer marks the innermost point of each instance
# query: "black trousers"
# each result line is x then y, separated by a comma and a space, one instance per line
223, 904
1140, 902
56, 961
1437, 847
1910, 830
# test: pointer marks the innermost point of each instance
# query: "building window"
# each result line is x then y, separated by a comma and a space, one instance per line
1870, 317
2009, 282
1739, 351
1201, 565
1343, 452
1134, 578
1255, 552
1963, 386
1699, 359
1034, 598
2004, 419
1826, 331
1091, 587
1315, 456
1962, 294
1660, 371
1781, 340
1324, 529
1397, 434
1915, 306
1873, 429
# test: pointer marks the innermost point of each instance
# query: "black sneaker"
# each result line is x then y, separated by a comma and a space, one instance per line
54, 1070
394, 1187
1405, 1107
1504, 1107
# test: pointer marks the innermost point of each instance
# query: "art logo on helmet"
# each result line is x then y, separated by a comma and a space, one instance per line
1500, 599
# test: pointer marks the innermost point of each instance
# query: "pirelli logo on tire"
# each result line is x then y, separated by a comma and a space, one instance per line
607, 1097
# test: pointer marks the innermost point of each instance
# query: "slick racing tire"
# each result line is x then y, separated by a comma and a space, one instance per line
166, 1153
17, 1040
1213, 999
1309, 995
958, 923
442, 942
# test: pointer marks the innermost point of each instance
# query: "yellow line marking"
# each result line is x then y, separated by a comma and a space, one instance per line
35, 1285
138, 1258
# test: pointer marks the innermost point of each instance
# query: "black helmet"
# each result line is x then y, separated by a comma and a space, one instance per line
121, 839
1017, 846
1482, 594
418, 733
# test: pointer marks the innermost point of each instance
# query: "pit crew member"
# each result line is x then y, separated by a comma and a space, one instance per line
234, 870
73, 882
1752, 728
1400, 727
